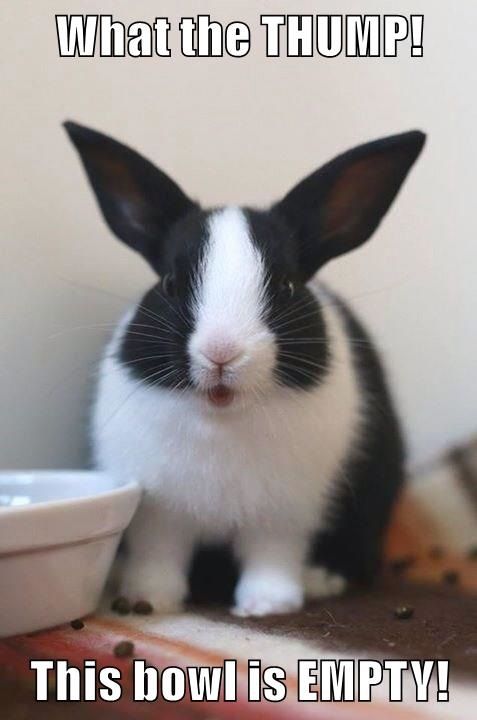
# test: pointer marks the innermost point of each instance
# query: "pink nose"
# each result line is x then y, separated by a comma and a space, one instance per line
222, 352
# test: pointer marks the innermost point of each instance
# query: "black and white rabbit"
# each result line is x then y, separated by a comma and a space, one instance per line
243, 396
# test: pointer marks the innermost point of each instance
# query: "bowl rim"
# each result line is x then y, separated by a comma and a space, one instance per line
51, 523
118, 490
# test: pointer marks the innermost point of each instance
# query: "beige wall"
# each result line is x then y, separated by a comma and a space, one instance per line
238, 130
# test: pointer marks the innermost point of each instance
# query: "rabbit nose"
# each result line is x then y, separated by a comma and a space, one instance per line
221, 353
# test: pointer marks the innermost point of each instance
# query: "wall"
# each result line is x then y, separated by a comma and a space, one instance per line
231, 130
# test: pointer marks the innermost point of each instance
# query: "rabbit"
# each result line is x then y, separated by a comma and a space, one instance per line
240, 392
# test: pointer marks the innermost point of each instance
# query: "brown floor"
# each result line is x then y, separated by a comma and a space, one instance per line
443, 625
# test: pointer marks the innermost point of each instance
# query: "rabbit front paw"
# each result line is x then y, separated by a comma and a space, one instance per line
164, 588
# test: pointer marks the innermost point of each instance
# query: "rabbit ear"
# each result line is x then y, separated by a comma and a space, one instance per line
139, 202
338, 207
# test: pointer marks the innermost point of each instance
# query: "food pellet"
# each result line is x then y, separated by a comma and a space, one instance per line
125, 648
77, 624
121, 605
404, 612
451, 577
142, 607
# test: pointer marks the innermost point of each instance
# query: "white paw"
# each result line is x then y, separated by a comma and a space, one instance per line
164, 589
320, 583
267, 595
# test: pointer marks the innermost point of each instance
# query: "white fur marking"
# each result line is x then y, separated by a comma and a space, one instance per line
228, 307
320, 583
230, 296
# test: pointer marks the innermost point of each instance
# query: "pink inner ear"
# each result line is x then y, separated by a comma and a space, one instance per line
116, 177
359, 190
119, 182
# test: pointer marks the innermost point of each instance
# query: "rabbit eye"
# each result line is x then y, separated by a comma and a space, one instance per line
168, 285
287, 287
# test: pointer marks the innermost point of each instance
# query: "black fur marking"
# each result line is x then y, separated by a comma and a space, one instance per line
154, 345
372, 476
297, 321
303, 352
213, 575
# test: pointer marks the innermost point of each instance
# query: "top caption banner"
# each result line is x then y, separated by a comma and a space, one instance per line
326, 36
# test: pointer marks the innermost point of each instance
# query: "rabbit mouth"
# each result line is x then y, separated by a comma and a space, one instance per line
220, 395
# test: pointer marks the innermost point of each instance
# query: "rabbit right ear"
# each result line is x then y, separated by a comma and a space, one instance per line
138, 201
338, 207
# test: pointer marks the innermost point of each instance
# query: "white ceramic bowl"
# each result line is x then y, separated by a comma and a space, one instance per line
59, 531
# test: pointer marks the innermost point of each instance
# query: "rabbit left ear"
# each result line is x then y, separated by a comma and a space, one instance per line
339, 206
138, 201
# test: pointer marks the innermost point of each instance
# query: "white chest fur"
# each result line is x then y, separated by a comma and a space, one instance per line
272, 462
